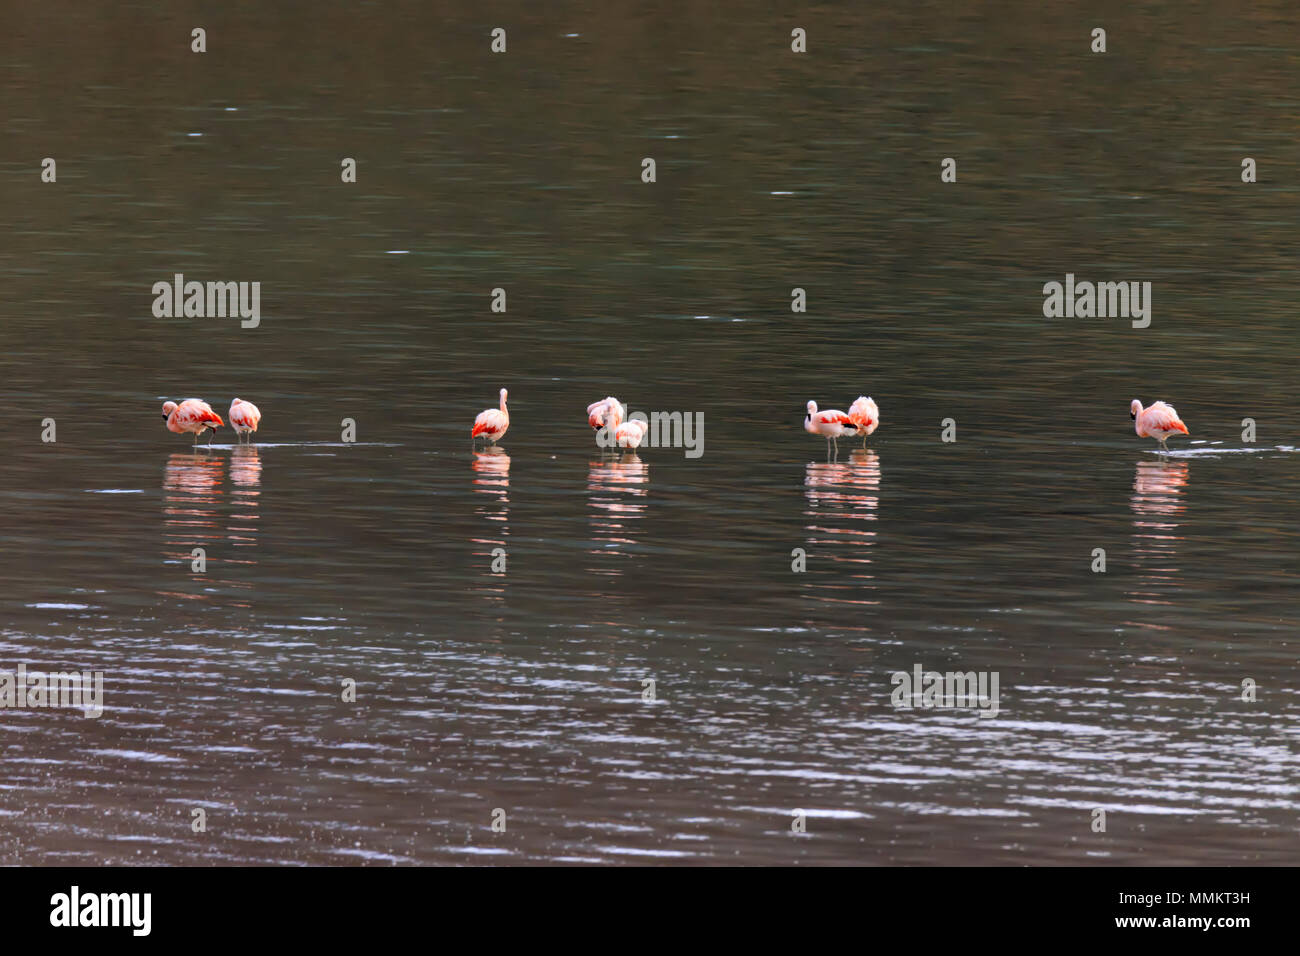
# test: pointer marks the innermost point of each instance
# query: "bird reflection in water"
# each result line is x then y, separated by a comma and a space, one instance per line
492, 487
191, 502
246, 476
617, 491
843, 505
1157, 504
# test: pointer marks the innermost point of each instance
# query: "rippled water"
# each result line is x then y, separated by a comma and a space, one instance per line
372, 560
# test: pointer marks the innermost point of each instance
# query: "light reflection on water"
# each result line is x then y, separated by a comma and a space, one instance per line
843, 499
1159, 493
491, 485
617, 492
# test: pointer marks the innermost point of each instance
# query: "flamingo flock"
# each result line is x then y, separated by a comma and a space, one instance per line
195, 416
610, 415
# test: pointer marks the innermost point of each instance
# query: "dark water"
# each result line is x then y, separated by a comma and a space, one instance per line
372, 561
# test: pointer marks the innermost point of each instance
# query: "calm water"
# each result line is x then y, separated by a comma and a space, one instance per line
372, 561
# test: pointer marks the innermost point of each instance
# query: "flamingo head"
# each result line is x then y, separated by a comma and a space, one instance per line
503, 396
1134, 409
168, 408
812, 409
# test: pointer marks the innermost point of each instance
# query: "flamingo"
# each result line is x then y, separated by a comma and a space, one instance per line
244, 417
492, 423
830, 424
1158, 422
608, 413
630, 434
865, 415
191, 415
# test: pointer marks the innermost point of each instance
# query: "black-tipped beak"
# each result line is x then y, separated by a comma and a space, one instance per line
1133, 415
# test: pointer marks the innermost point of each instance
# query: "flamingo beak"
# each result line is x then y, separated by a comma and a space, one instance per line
1133, 415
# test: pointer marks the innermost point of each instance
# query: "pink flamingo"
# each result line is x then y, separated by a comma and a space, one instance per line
1158, 422
192, 415
492, 423
830, 424
608, 413
631, 434
866, 416
244, 417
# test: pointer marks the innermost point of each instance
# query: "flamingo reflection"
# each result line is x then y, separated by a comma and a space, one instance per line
191, 497
617, 490
843, 504
492, 482
1157, 503
246, 476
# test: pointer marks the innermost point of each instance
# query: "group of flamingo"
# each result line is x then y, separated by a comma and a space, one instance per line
1160, 421
862, 418
196, 416
609, 414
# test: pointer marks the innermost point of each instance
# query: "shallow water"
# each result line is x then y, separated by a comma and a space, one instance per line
372, 560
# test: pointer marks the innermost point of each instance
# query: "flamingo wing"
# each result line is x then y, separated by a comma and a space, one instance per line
195, 412
488, 423
834, 417
245, 415
1164, 418
864, 411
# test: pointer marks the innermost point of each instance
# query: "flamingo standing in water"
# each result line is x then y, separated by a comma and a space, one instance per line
492, 423
608, 413
244, 417
830, 424
631, 434
1158, 422
192, 415
865, 415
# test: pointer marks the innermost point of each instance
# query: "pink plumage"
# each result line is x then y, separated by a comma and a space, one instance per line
606, 413
630, 434
1160, 421
491, 424
193, 415
830, 423
864, 413
244, 416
